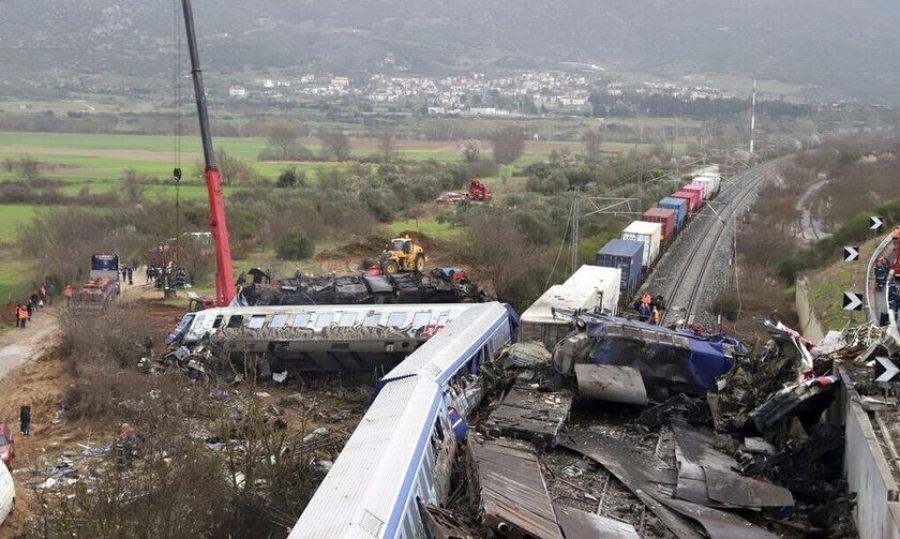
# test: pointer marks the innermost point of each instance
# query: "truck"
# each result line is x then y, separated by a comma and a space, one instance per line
476, 192
102, 286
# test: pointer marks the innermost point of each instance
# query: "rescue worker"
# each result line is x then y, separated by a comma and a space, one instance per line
69, 293
645, 312
895, 235
645, 298
654, 316
894, 298
22, 315
25, 419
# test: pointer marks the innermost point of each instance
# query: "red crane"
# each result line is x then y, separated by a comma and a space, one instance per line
224, 270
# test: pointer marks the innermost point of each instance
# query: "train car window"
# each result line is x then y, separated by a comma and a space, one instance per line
442, 319
397, 320
257, 321
301, 320
278, 321
421, 319
372, 320
236, 321
217, 322
324, 319
348, 320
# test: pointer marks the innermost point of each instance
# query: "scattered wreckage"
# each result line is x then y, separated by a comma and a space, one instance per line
440, 285
714, 440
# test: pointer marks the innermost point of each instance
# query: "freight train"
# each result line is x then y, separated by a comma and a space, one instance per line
645, 240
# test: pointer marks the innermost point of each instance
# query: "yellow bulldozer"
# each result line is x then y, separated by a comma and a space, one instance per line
403, 254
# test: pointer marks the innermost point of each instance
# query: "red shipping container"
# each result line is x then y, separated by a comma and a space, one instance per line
695, 189
692, 198
665, 217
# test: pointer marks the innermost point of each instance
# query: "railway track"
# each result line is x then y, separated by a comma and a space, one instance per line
686, 272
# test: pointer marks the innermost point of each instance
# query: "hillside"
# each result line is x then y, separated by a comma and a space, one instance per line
843, 48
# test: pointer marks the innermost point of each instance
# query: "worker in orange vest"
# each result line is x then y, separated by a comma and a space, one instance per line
645, 298
21, 316
69, 293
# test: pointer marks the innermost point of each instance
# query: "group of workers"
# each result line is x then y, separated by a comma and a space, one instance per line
648, 311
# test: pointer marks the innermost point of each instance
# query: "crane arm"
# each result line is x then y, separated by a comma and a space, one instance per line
224, 270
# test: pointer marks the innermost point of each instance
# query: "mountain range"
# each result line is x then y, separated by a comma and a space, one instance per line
835, 48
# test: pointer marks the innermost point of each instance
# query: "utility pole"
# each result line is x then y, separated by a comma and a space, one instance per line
752, 115
573, 251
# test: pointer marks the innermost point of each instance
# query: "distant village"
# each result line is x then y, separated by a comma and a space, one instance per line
523, 93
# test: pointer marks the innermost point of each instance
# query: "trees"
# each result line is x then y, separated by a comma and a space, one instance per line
471, 150
283, 137
508, 145
295, 245
590, 143
335, 145
387, 145
291, 177
504, 255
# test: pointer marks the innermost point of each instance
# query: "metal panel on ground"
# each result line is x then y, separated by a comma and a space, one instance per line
512, 495
577, 524
530, 415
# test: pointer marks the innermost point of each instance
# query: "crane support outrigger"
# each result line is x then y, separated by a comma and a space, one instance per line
224, 270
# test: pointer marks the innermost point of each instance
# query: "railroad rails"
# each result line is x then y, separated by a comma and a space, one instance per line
687, 285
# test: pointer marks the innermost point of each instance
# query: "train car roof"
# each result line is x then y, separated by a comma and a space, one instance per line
442, 355
358, 497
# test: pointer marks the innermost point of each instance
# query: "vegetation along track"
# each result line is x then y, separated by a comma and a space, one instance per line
694, 270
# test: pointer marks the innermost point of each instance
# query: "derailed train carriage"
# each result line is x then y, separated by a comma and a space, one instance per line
403, 450
312, 338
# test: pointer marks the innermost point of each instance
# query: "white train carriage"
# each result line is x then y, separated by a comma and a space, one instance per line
340, 338
404, 447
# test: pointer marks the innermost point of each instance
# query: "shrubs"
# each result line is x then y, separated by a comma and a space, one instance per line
295, 245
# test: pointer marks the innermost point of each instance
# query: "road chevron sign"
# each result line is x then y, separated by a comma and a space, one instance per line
851, 253
875, 222
885, 369
852, 301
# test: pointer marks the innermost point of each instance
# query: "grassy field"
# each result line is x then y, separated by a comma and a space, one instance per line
11, 216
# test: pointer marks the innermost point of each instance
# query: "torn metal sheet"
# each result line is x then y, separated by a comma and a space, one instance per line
443, 524
611, 383
512, 495
635, 469
723, 485
691, 481
530, 415
634, 475
577, 524
806, 401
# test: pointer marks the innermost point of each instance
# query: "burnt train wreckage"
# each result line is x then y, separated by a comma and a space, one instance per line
440, 285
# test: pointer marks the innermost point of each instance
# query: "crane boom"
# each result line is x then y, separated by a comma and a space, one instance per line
224, 269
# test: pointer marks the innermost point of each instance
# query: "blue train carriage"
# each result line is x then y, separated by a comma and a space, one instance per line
404, 448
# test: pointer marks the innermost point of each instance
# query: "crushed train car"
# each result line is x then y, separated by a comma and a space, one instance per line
440, 285
666, 359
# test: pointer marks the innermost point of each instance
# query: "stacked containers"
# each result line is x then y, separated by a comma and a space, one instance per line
692, 199
626, 255
693, 188
648, 234
666, 218
679, 206
540, 323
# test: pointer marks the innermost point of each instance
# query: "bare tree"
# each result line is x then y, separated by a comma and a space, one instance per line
335, 145
508, 145
471, 150
283, 137
387, 145
591, 141
504, 254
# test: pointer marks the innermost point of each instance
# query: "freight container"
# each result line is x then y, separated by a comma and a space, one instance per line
626, 255
666, 218
649, 234
606, 283
695, 189
710, 185
692, 199
679, 205
539, 323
